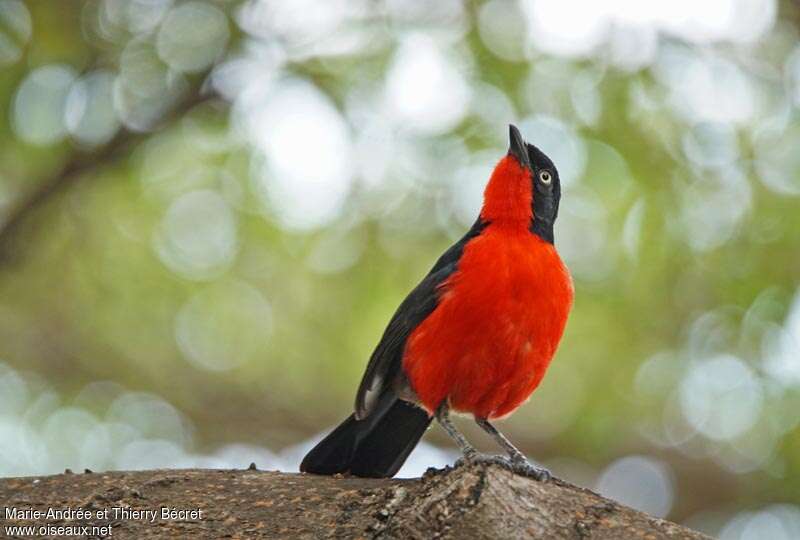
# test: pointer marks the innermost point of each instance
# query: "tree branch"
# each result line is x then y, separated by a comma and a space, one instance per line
81, 163
473, 502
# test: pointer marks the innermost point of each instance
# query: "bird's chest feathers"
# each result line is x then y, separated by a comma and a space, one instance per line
499, 319
513, 286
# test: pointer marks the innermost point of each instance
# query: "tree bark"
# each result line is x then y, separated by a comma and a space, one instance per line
472, 502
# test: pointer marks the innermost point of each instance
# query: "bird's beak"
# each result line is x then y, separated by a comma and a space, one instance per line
517, 148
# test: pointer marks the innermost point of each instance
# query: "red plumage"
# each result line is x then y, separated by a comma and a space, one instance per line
476, 335
500, 315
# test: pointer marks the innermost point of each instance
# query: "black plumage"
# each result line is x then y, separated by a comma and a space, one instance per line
376, 440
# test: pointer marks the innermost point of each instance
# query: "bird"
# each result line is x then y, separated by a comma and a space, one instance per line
475, 336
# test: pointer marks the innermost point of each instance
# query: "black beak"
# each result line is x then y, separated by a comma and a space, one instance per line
517, 148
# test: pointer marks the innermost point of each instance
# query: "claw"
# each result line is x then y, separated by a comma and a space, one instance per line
474, 458
522, 467
526, 468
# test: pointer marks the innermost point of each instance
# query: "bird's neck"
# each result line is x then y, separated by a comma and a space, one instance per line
543, 229
507, 198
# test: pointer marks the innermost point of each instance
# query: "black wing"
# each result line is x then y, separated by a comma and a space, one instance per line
386, 360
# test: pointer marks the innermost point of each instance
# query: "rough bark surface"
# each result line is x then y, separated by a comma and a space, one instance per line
473, 502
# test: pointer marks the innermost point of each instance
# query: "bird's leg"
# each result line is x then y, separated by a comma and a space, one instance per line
443, 417
470, 454
519, 463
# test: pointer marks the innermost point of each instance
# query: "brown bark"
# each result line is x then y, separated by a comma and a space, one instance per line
473, 502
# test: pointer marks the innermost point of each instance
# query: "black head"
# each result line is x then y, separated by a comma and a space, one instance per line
546, 185
546, 193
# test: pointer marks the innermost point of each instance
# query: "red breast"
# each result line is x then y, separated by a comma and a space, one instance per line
500, 316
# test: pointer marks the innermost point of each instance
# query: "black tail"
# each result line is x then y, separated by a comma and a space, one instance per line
374, 447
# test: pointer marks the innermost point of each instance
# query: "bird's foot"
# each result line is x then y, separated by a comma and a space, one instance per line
521, 466
475, 458
517, 465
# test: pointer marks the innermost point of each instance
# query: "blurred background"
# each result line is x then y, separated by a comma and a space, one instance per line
210, 209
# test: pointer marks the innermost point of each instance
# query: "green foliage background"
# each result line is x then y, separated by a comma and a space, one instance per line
292, 314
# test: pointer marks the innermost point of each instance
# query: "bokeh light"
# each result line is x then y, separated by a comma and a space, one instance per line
192, 36
306, 169
15, 30
40, 104
224, 326
213, 208
721, 397
424, 90
640, 482
197, 237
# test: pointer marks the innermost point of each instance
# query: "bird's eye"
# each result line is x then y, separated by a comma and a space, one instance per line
545, 177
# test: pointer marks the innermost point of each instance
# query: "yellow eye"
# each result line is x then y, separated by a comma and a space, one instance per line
545, 177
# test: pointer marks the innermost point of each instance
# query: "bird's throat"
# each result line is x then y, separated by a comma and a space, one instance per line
508, 195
